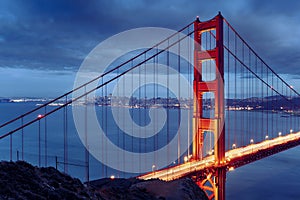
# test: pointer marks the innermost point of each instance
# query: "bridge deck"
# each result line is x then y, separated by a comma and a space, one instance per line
234, 158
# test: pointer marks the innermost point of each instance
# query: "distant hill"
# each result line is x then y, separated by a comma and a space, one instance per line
267, 103
275, 102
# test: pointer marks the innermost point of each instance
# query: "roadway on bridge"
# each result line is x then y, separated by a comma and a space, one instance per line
189, 167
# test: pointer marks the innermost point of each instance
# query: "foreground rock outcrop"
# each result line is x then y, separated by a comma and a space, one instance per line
21, 180
152, 189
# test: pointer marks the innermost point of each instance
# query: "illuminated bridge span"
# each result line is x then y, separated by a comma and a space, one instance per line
237, 110
200, 170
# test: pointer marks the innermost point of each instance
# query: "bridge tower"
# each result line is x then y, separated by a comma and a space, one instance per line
214, 124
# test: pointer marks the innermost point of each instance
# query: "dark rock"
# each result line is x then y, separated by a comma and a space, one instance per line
21, 180
150, 189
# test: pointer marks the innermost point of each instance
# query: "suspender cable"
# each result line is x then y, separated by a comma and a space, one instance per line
102, 119
132, 111
263, 100
140, 116
86, 138
277, 108
155, 115
39, 143
179, 102
243, 88
106, 130
168, 103
65, 115
155, 98
22, 122
145, 106
10, 147
272, 104
256, 90
228, 96
46, 139
118, 100
189, 95
145, 110
235, 91
268, 107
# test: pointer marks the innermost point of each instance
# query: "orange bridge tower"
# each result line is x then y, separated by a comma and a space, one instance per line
214, 124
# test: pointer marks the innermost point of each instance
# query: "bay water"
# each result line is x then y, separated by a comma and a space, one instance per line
275, 177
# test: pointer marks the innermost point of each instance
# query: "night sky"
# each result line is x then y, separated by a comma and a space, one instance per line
43, 43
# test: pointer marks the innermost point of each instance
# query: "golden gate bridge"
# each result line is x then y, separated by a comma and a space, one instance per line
239, 110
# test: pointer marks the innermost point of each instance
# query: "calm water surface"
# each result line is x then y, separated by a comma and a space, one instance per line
275, 177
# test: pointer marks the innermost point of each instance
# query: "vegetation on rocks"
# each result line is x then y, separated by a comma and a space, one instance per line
20, 180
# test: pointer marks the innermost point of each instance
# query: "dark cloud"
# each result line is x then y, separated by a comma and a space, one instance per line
271, 29
58, 34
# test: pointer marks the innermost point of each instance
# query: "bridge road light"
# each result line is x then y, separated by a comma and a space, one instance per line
279, 134
291, 131
233, 146
231, 169
153, 167
185, 159
251, 142
112, 177
267, 137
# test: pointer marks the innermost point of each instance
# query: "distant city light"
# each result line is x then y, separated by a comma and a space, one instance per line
112, 177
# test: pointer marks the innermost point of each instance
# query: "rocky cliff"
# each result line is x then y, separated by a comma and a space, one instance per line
20, 180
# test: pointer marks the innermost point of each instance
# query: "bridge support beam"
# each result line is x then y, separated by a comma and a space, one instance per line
212, 183
213, 124
220, 183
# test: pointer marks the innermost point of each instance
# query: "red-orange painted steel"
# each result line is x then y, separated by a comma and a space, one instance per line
215, 124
